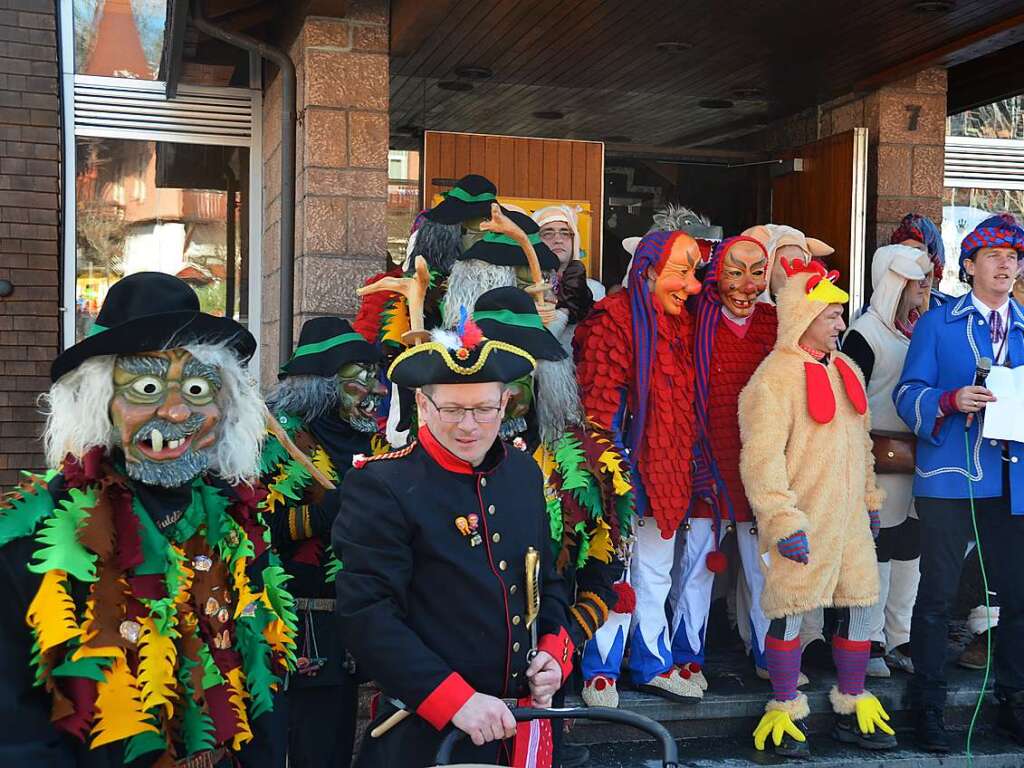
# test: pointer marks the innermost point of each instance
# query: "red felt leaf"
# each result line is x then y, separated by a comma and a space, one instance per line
126, 526
82, 694
854, 389
821, 402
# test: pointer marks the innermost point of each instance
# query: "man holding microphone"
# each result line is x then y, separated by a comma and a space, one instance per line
937, 399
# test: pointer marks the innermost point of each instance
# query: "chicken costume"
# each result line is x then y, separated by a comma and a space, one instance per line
808, 470
636, 373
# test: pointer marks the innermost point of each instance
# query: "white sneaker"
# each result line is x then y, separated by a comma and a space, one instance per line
600, 691
693, 672
899, 661
878, 668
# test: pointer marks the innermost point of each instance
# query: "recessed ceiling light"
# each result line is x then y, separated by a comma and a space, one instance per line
933, 6
473, 72
746, 94
715, 103
549, 115
672, 46
455, 85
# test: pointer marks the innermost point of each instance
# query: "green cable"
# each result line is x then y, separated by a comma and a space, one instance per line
988, 607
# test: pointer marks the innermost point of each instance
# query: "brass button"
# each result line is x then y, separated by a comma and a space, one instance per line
515, 647
496, 538
981, 322
490, 510
513, 589
891, 454
483, 482
516, 620
1013, 459
503, 565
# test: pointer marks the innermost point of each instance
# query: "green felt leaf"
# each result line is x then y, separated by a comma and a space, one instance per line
196, 726
58, 538
91, 668
571, 459
231, 552
588, 496
584, 549
154, 543
212, 676
256, 654
274, 580
214, 511
27, 512
293, 484
143, 743
333, 568
36, 662
625, 508
554, 507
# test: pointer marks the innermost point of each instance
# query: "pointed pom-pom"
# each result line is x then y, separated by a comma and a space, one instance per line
717, 562
625, 597
359, 461
471, 334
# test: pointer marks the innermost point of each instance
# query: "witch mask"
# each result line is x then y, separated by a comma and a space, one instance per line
743, 276
676, 281
165, 413
359, 395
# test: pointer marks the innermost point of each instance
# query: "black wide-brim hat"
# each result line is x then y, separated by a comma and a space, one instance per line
510, 315
470, 198
149, 312
434, 363
503, 251
325, 345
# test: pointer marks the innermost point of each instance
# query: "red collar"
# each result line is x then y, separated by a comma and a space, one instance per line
445, 458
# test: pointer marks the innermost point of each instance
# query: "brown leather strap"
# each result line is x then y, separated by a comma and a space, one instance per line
315, 604
208, 759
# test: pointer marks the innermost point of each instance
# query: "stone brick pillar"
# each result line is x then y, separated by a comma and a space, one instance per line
29, 219
341, 168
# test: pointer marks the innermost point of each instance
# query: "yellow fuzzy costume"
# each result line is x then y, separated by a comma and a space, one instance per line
803, 474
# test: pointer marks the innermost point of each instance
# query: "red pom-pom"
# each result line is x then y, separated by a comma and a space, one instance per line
471, 334
717, 562
358, 461
625, 601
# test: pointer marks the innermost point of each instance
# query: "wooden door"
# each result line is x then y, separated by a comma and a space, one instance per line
828, 200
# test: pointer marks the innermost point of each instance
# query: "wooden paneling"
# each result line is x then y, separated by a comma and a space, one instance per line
597, 61
817, 200
519, 167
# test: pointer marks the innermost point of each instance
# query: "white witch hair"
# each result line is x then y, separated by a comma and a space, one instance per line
557, 399
77, 409
307, 395
470, 279
677, 217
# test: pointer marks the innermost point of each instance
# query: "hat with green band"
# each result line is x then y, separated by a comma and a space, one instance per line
148, 312
325, 345
510, 315
503, 251
470, 198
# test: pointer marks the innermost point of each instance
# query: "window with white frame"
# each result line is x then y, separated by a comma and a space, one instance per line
154, 184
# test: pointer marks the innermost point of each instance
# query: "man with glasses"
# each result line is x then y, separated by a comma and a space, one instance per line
435, 598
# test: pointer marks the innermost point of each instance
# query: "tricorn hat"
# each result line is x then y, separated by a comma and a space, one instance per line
470, 198
503, 251
325, 345
510, 315
462, 356
148, 312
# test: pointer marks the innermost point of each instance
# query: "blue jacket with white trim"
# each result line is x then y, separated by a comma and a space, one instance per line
944, 351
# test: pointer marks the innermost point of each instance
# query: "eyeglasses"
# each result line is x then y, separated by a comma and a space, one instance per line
485, 414
555, 234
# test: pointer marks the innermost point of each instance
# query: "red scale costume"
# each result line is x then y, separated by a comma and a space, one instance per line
635, 367
734, 334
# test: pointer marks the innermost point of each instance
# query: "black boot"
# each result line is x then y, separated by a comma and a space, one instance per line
1010, 720
930, 733
790, 747
847, 731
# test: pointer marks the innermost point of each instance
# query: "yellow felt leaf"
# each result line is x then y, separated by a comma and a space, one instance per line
612, 462
279, 636
245, 595
187, 575
398, 322
323, 462
157, 659
379, 445
274, 496
52, 612
237, 697
88, 633
545, 460
601, 543
119, 713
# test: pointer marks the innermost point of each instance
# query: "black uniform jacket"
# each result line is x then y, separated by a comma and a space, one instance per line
426, 613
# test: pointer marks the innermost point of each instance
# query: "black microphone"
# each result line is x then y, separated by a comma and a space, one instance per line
980, 374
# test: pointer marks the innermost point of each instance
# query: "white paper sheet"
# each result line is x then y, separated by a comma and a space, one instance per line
1004, 419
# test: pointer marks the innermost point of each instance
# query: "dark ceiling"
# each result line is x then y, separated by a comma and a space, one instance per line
599, 63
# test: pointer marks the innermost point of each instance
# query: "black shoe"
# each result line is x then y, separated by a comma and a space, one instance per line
818, 655
846, 731
574, 756
1010, 720
790, 747
930, 734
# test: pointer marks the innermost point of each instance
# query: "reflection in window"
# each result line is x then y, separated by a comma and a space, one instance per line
403, 200
119, 38
181, 209
999, 120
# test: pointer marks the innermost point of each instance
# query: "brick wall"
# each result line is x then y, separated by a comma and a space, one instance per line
29, 219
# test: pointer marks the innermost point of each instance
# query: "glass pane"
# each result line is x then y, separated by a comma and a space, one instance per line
963, 209
182, 209
119, 38
1000, 120
403, 200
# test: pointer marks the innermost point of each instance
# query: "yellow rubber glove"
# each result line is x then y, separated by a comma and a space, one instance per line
776, 722
871, 715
